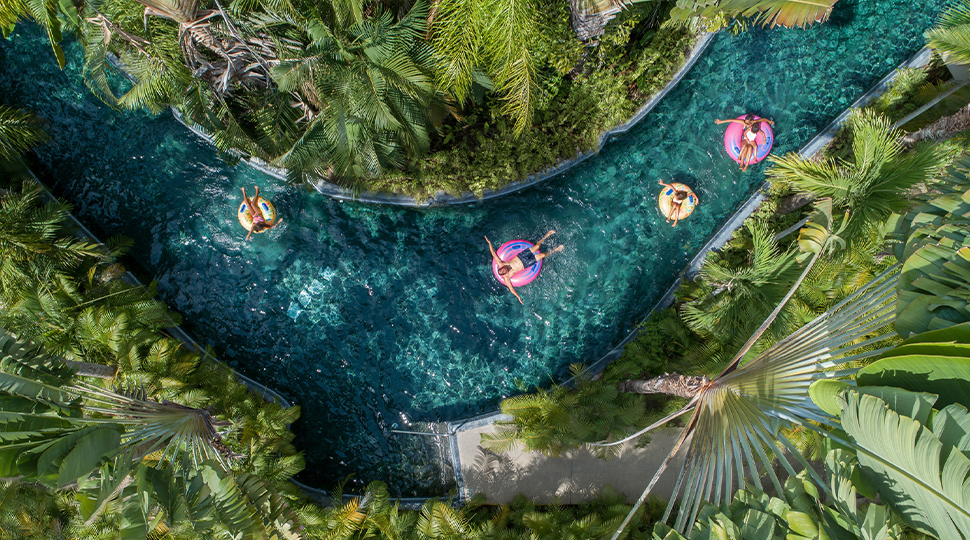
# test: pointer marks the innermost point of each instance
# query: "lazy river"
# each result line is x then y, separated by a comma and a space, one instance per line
372, 317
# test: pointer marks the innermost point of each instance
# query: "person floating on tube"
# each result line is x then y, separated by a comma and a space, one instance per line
521, 261
749, 137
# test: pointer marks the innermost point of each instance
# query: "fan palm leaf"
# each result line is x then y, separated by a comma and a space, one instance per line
736, 422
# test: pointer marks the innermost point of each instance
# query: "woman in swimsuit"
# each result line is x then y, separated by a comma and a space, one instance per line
259, 223
522, 260
749, 137
675, 202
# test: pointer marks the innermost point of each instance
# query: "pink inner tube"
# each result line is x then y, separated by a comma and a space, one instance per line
509, 250
732, 141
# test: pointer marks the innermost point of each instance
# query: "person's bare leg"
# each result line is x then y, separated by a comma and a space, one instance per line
251, 203
535, 248
540, 256
746, 153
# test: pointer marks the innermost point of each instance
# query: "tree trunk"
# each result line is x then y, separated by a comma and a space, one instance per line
88, 369
672, 384
942, 129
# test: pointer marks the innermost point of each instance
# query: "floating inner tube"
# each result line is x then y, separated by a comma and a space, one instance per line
265, 208
507, 252
666, 201
732, 141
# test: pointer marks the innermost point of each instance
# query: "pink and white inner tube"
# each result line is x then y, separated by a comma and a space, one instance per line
732, 141
507, 252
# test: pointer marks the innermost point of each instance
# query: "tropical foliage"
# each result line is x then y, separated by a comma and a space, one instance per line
903, 421
159, 461
873, 184
951, 35
797, 513
19, 131
364, 88
133, 453
932, 241
733, 299
497, 39
787, 13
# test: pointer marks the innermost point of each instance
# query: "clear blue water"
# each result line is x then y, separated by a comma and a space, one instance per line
370, 316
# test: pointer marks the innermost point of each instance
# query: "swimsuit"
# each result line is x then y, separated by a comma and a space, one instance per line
258, 216
751, 136
527, 257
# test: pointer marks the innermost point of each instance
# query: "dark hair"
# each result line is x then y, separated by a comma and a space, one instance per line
756, 128
257, 227
681, 195
504, 270
749, 116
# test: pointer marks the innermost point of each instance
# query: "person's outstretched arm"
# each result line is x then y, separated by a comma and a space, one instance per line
508, 283
731, 120
494, 255
278, 221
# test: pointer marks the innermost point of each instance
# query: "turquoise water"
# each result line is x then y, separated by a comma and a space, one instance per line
372, 317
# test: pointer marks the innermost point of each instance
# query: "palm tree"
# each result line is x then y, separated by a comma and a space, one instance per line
33, 244
738, 418
951, 35
364, 86
497, 38
19, 131
157, 460
871, 186
731, 298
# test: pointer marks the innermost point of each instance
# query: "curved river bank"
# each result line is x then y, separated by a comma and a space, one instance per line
372, 317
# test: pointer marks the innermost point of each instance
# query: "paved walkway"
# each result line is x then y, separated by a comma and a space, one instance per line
571, 479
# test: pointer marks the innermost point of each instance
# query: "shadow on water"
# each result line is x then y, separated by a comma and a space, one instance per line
845, 15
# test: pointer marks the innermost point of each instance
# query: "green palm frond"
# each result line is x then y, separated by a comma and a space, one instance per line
497, 37
874, 184
19, 131
787, 13
951, 36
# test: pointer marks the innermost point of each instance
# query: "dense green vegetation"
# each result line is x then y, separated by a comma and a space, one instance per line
404, 96
170, 445
832, 321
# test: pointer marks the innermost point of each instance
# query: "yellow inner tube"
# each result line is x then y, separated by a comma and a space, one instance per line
666, 201
265, 208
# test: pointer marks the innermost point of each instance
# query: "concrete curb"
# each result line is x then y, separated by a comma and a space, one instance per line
444, 199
